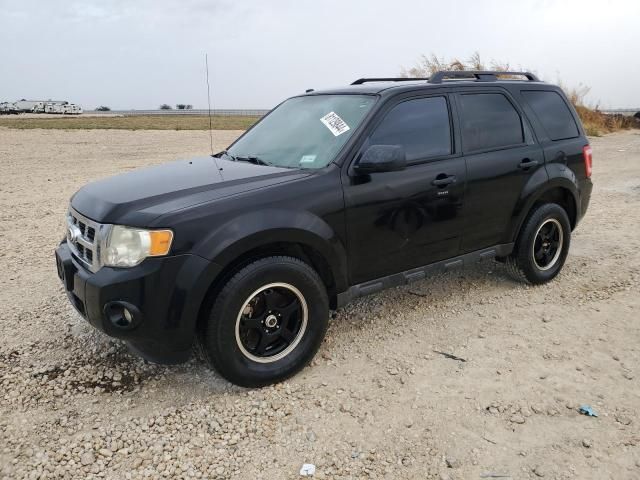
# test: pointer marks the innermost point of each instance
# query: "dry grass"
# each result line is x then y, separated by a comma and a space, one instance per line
595, 122
428, 65
141, 122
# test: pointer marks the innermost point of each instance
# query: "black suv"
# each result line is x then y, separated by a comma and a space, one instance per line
333, 195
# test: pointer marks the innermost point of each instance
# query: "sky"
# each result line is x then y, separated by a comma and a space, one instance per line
142, 53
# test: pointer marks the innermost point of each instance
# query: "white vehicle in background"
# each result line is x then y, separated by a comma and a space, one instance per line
53, 108
8, 108
71, 109
61, 107
38, 108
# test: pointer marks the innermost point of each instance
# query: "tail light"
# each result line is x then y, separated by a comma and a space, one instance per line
587, 154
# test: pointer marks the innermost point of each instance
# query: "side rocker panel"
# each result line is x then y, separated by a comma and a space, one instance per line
415, 274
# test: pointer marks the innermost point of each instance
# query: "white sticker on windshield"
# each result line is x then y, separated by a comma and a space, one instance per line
334, 123
308, 159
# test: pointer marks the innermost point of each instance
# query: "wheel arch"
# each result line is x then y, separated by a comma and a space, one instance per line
560, 191
271, 232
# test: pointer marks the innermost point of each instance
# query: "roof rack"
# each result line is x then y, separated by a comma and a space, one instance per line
477, 75
360, 81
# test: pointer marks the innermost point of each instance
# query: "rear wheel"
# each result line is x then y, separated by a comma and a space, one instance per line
542, 245
266, 323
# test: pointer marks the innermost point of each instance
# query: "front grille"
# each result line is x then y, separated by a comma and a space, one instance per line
82, 239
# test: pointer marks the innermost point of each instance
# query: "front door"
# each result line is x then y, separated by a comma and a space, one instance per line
405, 219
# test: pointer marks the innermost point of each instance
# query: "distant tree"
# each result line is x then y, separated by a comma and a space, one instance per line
181, 106
189, 107
103, 108
164, 106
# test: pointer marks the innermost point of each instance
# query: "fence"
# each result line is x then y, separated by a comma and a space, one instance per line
630, 112
217, 112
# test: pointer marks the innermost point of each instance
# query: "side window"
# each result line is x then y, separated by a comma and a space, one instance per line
421, 126
489, 121
553, 112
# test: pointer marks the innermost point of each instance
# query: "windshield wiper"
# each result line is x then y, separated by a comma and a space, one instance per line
249, 158
253, 159
223, 153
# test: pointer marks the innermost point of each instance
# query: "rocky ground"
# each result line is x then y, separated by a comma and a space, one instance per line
378, 401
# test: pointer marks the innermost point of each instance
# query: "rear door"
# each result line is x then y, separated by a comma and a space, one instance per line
501, 156
557, 131
400, 220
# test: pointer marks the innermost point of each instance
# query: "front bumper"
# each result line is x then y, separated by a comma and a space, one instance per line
164, 294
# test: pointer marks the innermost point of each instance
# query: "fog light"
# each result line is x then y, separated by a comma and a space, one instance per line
122, 315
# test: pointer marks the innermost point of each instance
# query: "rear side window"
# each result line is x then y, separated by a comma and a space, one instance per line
421, 126
489, 121
552, 111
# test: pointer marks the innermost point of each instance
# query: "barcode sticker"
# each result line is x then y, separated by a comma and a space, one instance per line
334, 123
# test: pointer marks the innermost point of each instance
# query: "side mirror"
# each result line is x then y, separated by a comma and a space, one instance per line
382, 158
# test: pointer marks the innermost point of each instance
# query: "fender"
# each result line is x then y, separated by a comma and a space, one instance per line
559, 177
252, 230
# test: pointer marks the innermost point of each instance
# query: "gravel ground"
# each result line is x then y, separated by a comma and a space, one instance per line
378, 401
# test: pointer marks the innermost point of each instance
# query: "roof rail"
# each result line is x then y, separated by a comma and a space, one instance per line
360, 81
478, 75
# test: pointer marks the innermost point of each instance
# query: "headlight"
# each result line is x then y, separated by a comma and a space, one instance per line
127, 247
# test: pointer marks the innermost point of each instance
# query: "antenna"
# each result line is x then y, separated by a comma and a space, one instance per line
206, 64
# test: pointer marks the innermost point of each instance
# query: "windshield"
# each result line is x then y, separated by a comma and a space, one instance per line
304, 132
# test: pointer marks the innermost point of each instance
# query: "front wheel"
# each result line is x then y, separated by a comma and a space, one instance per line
542, 245
266, 323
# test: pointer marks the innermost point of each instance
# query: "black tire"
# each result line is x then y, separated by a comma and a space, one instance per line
222, 335
524, 263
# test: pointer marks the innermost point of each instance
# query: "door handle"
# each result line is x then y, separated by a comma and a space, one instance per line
443, 180
527, 163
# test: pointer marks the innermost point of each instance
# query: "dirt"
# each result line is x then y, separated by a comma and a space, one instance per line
455, 377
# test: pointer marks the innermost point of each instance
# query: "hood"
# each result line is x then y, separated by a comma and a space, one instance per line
136, 198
